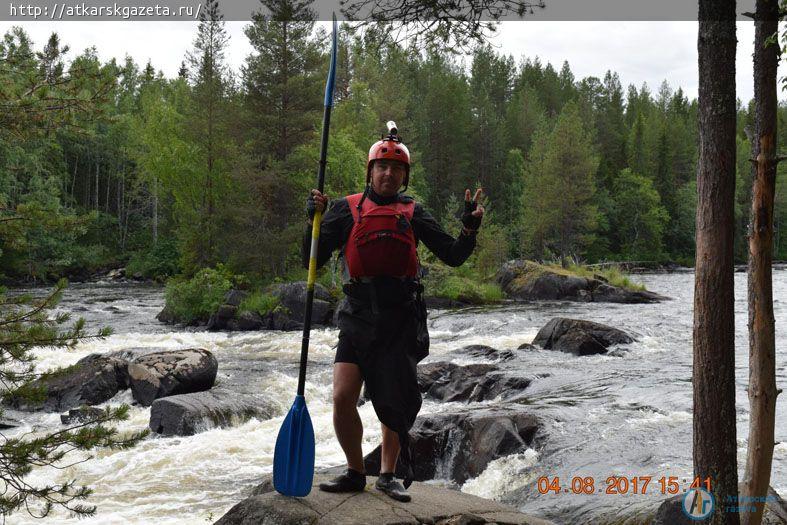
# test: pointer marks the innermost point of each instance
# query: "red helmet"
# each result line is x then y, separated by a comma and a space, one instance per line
389, 147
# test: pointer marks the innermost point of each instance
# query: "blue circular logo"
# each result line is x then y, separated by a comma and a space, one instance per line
697, 504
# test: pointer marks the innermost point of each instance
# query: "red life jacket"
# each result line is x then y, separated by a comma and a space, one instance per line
382, 241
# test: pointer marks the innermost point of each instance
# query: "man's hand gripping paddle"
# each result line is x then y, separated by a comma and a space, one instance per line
293, 459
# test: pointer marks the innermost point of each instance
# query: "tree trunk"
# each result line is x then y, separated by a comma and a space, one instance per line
96, 202
155, 210
713, 381
762, 346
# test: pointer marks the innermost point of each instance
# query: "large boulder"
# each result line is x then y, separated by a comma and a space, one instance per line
579, 337
475, 382
459, 444
292, 296
188, 414
430, 504
529, 281
92, 380
162, 374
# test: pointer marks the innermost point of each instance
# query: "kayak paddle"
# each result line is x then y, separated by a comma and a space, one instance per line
293, 459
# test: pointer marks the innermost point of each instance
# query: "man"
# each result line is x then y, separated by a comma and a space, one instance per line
382, 324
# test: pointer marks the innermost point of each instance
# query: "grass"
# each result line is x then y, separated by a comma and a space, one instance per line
259, 302
611, 274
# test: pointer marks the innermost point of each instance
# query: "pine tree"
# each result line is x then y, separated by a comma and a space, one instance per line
208, 125
282, 79
25, 324
559, 212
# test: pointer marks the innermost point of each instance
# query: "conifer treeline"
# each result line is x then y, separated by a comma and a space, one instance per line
102, 162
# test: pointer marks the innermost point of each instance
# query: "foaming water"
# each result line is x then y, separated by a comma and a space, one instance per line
627, 413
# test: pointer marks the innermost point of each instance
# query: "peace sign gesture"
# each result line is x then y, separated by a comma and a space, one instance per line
474, 211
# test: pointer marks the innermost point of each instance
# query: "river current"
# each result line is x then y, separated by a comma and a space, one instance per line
627, 413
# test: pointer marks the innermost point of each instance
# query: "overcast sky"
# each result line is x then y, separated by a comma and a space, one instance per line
639, 51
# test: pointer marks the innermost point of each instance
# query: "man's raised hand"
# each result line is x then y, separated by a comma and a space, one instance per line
474, 211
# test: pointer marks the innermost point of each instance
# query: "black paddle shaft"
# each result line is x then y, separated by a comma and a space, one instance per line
307, 319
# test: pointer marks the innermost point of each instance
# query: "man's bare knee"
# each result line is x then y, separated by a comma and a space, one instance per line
346, 385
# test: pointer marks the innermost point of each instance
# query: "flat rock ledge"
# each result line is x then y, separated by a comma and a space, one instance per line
430, 504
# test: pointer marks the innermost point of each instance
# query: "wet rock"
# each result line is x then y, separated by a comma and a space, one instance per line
671, 513
219, 320
292, 297
527, 346
484, 352
88, 382
167, 316
117, 273
476, 382
430, 504
249, 321
7, 422
163, 374
81, 415
458, 445
579, 337
189, 414
443, 303
529, 281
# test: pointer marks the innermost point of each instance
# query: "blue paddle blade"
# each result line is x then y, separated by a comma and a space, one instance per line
293, 459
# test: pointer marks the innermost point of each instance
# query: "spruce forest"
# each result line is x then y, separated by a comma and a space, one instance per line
109, 164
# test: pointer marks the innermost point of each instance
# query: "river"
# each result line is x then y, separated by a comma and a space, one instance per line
627, 413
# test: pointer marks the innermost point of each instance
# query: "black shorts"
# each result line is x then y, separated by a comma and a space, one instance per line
345, 351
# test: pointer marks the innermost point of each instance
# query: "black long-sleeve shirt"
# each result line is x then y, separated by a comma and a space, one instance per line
338, 222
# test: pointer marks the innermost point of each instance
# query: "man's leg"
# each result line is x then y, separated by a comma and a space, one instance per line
388, 456
346, 421
390, 450
348, 427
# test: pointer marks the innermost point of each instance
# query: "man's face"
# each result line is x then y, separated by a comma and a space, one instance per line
387, 176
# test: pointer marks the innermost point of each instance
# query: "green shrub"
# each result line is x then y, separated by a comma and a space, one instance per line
197, 298
464, 286
259, 302
156, 263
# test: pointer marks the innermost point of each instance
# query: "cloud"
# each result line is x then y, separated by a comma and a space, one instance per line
638, 51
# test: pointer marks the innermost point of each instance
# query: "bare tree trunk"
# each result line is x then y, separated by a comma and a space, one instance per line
155, 210
762, 345
714, 320
96, 202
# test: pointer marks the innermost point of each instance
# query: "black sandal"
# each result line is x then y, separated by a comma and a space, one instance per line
350, 481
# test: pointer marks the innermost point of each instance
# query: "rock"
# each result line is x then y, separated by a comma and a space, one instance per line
529, 281
430, 504
218, 321
476, 382
527, 346
249, 321
485, 352
188, 414
117, 273
81, 415
292, 297
235, 297
7, 422
459, 444
579, 337
671, 513
88, 382
163, 374
138, 276
443, 303
166, 316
